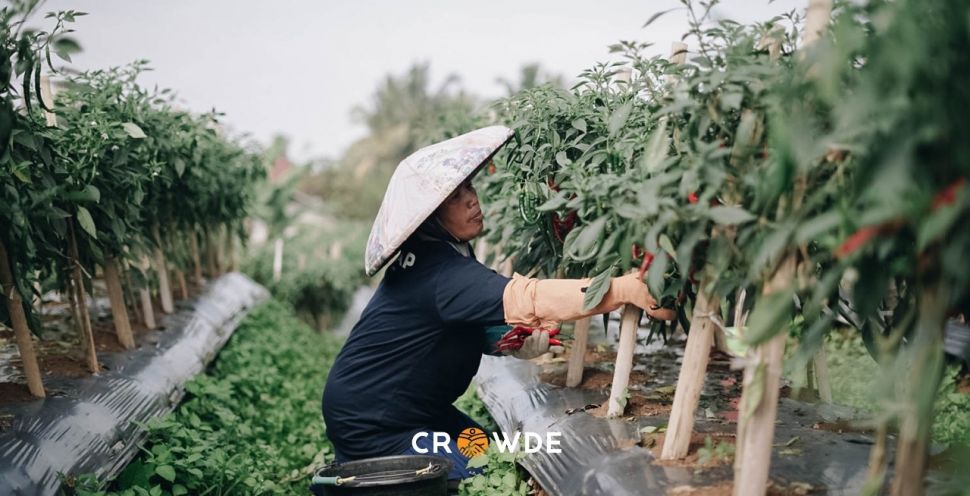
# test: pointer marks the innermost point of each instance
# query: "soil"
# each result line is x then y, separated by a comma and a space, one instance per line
68, 363
655, 443
13, 392
593, 356
593, 378
726, 489
840, 427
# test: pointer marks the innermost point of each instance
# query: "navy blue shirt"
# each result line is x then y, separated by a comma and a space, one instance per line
414, 350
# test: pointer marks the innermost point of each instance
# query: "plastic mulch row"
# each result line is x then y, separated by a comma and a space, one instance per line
617, 457
88, 424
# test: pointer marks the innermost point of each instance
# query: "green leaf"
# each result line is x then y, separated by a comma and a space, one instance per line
179, 166
579, 124
656, 150
179, 490
478, 461
727, 216
655, 276
87, 223
656, 16
771, 315
166, 472
584, 245
936, 225
562, 159
133, 130
667, 246
597, 288
619, 118
755, 391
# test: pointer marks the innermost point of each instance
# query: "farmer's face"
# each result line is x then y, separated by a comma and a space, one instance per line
461, 214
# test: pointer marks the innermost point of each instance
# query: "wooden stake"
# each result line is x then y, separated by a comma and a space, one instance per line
232, 261
210, 252
196, 260
924, 355
816, 18
624, 359
146, 297
25, 344
183, 285
690, 382
129, 288
75, 312
278, 260
119, 312
878, 454
161, 269
48, 97
822, 375
762, 376
574, 370
87, 340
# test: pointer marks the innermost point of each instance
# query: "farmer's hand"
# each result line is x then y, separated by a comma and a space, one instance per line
537, 344
525, 342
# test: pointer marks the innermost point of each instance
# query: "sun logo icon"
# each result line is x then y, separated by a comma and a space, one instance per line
472, 442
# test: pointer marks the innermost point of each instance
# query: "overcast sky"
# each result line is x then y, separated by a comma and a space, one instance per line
298, 67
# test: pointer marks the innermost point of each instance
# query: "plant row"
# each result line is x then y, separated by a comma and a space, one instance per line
105, 177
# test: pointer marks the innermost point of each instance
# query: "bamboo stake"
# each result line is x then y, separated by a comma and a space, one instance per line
629, 322
196, 260
18, 319
690, 381
87, 340
161, 268
762, 377
574, 370
119, 312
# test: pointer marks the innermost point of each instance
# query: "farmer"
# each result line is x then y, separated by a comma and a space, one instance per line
419, 341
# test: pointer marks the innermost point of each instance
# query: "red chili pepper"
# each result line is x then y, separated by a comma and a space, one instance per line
863, 235
645, 265
491, 169
949, 194
856, 241
561, 227
692, 197
552, 184
636, 252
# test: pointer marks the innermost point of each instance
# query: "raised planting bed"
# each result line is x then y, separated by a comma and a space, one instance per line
819, 448
89, 424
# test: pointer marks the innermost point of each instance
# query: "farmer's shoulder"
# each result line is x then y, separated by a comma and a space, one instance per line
421, 257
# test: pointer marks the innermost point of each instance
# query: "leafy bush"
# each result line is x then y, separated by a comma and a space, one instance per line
318, 286
250, 425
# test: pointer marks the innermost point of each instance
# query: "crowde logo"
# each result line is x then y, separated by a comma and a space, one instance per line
472, 442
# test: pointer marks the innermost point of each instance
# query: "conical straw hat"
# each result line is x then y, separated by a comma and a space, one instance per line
421, 183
